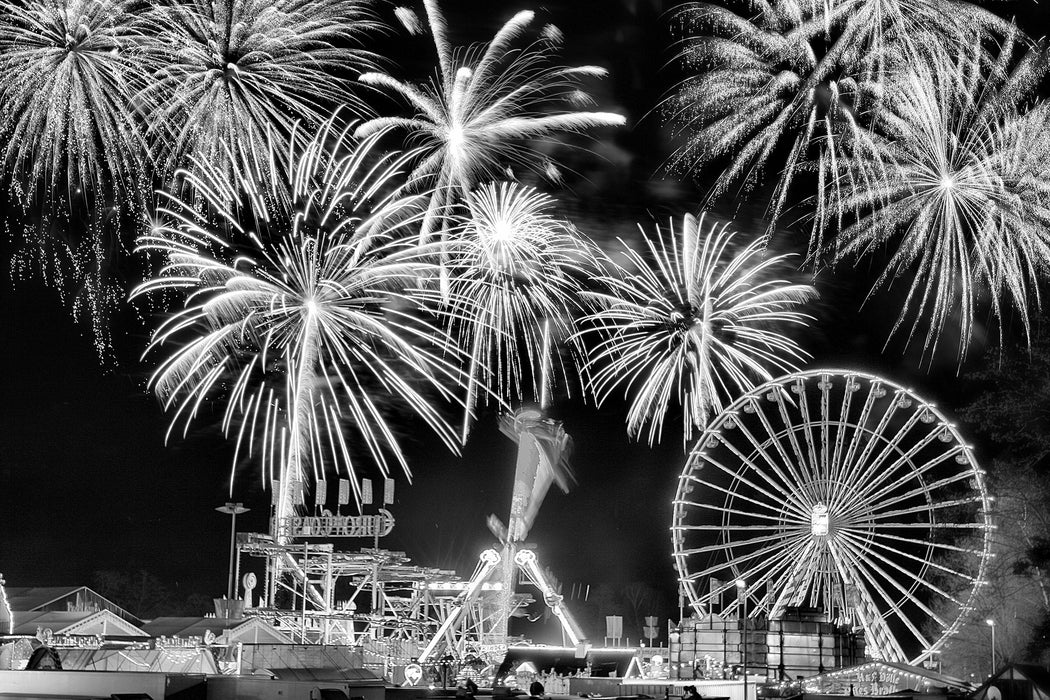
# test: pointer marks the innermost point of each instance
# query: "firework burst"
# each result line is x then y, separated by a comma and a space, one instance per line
472, 120
68, 71
954, 183
773, 89
236, 75
297, 317
73, 149
515, 278
692, 322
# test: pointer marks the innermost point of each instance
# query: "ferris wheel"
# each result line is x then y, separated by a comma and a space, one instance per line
838, 490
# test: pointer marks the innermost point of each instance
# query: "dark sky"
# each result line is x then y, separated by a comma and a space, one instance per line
86, 482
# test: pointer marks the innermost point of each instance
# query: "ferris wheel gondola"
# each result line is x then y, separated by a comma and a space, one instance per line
837, 490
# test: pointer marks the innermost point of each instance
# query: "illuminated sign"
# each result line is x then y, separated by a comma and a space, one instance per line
869, 680
378, 525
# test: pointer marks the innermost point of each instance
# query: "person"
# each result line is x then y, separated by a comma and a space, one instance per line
690, 693
536, 689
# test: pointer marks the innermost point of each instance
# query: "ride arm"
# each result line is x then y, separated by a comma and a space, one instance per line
488, 561
526, 560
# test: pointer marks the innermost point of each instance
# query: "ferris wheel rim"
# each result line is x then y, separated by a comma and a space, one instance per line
916, 406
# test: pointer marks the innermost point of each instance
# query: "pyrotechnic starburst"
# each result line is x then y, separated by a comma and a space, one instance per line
776, 85
472, 120
73, 150
515, 275
955, 182
693, 322
68, 71
238, 74
297, 317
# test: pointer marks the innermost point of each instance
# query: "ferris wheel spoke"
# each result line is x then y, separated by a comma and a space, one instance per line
722, 528
871, 618
730, 494
908, 574
846, 462
796, 477
780, 499
869, 557
925, 508
929, 526
789, 592
825, 426
786, 485
727, 510
926, 542
876, 391
882, 498
844, 425
907, 555
802, 463
756, 578
750, 556
719, 546
804, 427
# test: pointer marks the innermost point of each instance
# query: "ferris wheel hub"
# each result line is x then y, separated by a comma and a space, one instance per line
819, 520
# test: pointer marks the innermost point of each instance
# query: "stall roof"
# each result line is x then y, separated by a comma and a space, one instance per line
84, 622
62, 599
916, 674
251, 629
1007, 680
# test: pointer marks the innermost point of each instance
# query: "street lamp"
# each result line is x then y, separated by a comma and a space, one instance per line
741, 593
233, 509
991, 623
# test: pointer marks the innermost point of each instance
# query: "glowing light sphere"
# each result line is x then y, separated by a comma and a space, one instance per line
838, 490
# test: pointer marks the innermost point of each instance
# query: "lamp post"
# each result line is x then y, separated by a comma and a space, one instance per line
233, 509
991, 623
741, 592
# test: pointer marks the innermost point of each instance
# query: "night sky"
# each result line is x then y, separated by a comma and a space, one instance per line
87, 483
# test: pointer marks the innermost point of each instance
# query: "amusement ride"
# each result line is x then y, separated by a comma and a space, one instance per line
840, 491
830, 490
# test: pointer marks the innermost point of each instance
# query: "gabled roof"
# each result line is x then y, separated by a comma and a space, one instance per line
85, 623
34, 597
62, 599
188, 660
250, 630
1036, 675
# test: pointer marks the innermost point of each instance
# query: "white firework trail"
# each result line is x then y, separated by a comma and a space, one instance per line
297, 316
475, 118
693, 322
954, 186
